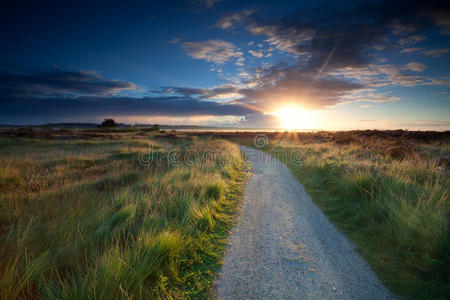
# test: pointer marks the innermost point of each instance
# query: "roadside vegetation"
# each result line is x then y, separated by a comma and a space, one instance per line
95, 215
83, 214
388, 191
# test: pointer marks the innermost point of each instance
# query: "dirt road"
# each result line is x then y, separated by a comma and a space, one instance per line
283, 247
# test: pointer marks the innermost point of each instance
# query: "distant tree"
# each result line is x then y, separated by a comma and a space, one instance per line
107, 123
155, 127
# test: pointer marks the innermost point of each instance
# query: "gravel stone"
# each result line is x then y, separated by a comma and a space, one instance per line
283, 247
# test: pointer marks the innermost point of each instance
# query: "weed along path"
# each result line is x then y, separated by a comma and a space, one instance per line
283, 247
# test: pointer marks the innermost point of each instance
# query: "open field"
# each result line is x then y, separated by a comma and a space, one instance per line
96, 215
387, 191
203, 149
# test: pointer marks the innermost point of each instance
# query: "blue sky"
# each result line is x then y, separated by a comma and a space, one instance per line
341, 65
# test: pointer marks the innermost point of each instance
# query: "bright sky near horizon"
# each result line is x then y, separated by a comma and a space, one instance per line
332, 65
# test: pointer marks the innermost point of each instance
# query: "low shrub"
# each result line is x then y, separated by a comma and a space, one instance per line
214, 191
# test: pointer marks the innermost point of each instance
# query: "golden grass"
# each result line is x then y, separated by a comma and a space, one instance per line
83, 218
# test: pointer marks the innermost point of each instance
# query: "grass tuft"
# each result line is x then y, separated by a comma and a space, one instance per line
214, 190
391, 198
82, 218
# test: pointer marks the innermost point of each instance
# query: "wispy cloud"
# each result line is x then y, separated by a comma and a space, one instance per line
267, 89
284, 38
216, 51
411, 40
53, 108
26, 81
436, 52
416, 66
428, 52
219, 92
228, 21
56, 95
257, 54
399, 28
442, 20
410, 50
210, 3
335, 63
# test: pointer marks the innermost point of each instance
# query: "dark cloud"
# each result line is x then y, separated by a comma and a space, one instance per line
269, 88
220, 92
337, 51
436, 52
48, 82
344, 36
442, 20
55, 94
411, 40
21, 109
428, 52
296, 86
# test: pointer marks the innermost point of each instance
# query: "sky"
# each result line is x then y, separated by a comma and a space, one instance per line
331, 65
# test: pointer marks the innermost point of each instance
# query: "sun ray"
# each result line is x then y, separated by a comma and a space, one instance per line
294, 118
279, 136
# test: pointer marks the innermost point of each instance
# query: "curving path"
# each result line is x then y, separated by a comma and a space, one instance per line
283, 247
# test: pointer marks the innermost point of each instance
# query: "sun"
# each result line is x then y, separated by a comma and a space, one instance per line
295, 118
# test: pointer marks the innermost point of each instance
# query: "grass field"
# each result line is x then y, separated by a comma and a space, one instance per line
388, 191
96, 215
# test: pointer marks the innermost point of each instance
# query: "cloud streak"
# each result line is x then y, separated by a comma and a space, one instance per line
56, 94
216, 51
24, 110
416, 66
228, 21
27, 81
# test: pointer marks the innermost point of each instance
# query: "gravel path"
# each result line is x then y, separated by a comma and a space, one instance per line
283, 247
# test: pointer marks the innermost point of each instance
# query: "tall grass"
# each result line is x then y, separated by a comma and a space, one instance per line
394, 207
82, 218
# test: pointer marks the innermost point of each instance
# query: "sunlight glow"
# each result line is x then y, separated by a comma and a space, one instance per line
294, 118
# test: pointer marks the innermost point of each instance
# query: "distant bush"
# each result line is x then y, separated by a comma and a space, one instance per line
155, 127
29, 128
108, 123
344, 138
25, 131
151, 128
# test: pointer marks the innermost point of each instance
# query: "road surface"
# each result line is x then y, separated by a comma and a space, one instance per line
283, 247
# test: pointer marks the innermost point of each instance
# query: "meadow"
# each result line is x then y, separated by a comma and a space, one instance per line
136, 213
388, 191
108, 215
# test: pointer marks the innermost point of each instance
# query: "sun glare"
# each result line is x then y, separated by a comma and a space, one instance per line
295, 118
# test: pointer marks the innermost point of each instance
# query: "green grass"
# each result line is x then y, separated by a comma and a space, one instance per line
81, 218
395, 208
